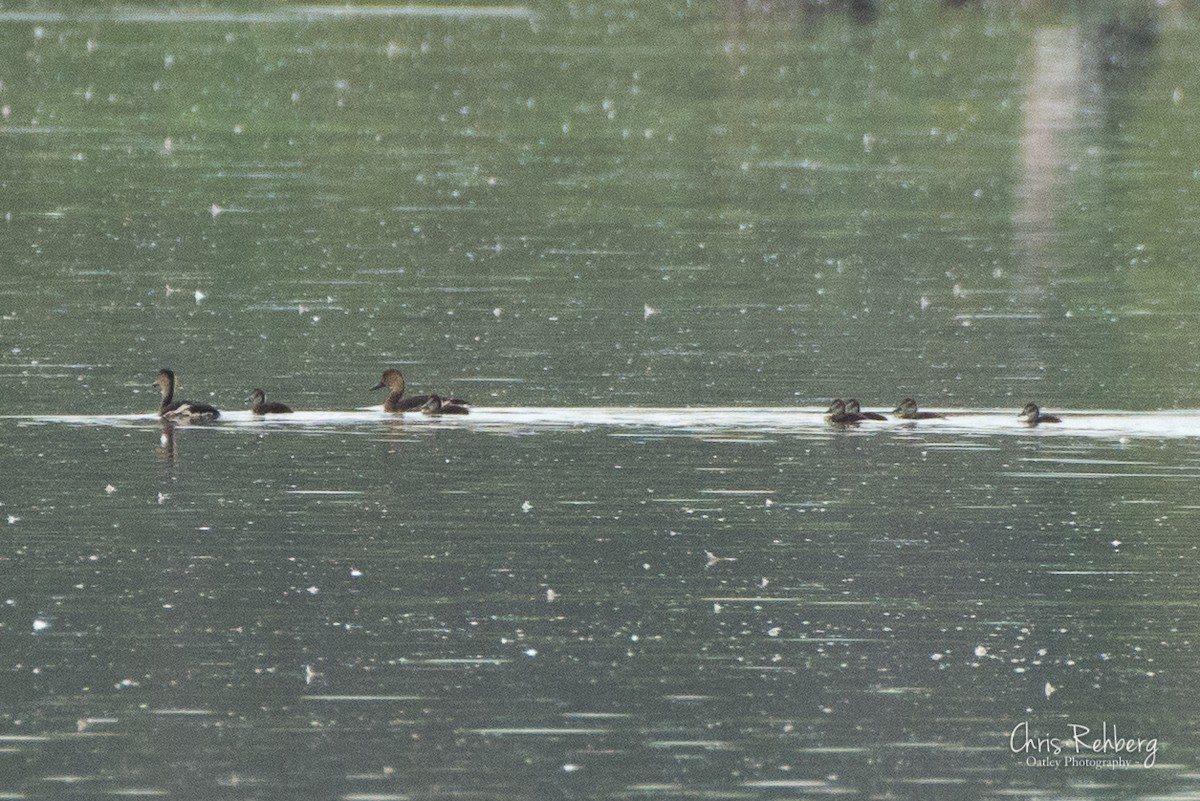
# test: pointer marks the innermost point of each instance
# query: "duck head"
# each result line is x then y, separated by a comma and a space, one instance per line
392, 379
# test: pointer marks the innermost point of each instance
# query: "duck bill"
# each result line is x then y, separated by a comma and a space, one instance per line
380, 385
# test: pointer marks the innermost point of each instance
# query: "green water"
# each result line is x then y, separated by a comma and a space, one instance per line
603, 205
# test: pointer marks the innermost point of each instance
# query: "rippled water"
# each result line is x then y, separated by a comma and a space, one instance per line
650, 242
613, 602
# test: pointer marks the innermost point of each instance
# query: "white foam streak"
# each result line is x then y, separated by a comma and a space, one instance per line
1102, 424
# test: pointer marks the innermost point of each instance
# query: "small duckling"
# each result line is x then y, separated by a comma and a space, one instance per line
259, 398
852, 407
437, 405
907, 410
1032, 415
181, 410
838, 415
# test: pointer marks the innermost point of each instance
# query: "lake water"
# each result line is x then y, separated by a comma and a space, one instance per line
650, 243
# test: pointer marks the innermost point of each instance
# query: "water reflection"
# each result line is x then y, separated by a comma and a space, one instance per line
862, 12
1074, 72
166, 446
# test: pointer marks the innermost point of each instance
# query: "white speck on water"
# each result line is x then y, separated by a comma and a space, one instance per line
313, 590
200, 296
551, 595
496, 312
774, 632
13, 519
531, 652
162, 496
1115, 543
355, 573
40, 624
570, 768
110, 489
925, 303
648, 311
215, 210
937, 657
980, 650
525, 507
1049, 689
712, 558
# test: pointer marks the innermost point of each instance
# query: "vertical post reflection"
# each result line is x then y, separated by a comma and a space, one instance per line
1052, 100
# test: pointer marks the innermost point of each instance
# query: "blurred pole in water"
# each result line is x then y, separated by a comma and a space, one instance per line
1052, 101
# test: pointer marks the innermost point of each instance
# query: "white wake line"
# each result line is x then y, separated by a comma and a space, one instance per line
284, 14
1086, 423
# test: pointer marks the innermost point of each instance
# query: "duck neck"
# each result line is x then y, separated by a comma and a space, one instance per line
392, 403
167, 387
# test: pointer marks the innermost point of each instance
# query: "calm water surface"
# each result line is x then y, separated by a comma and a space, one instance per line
650, 242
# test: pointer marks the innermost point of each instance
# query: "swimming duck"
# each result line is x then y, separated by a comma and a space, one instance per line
259, 398
852, 407
838, 415
184, 409
396, 402
907, 410
438, 405
1032, 415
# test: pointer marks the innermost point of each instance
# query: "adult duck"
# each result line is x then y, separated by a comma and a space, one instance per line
181, 409
393, 379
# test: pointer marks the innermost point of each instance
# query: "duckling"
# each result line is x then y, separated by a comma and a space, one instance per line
907, 410
396, 402
838, 415
184, 409
852, 407
437, 405
259, 398
1032, 415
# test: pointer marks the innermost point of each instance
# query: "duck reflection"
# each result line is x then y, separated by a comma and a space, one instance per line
166, 442
862, 12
